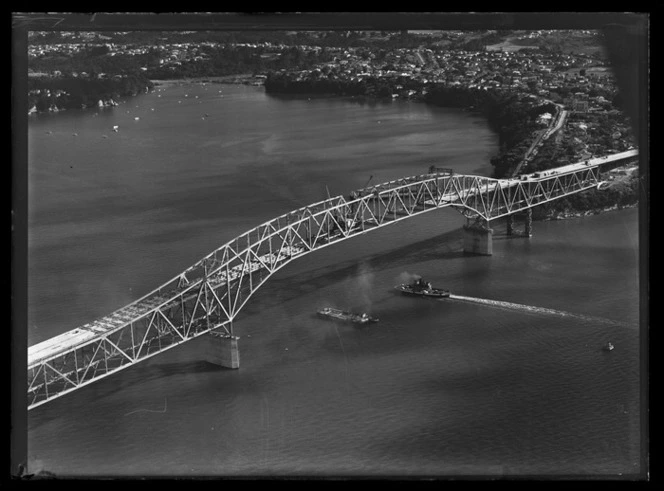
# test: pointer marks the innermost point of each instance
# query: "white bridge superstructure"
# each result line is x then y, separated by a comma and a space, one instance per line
209, 295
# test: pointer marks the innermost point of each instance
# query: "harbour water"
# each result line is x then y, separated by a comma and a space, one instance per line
507, 378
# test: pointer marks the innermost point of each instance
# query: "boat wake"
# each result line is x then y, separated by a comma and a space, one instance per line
149, 410
537, 310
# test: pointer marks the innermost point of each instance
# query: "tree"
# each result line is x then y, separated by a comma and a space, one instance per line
42, 104
98, 50
618, 100
555, 97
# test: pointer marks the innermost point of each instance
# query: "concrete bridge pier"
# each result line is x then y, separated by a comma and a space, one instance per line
221, 349
478, 238
528, 231
529, 223
510, 224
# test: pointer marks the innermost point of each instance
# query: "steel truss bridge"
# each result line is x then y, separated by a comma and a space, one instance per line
209, 295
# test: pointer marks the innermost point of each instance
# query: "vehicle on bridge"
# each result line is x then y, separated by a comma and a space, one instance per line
444, 171
344, 316
422, 288
546, 173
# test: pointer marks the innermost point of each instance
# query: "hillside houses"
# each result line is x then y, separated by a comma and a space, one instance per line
557, 76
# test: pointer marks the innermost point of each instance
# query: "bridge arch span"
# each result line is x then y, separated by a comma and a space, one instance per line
209, 295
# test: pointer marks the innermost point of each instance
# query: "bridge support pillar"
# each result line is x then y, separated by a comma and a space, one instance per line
510, 225
529, 223
478, 239
221, 349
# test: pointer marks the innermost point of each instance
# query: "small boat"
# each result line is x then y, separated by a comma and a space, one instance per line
342, 315
608, 347
422, 288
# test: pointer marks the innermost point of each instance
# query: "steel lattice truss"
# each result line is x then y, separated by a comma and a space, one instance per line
211, 293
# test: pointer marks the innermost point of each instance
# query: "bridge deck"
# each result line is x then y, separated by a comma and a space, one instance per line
81, 335
592, 162
130, 313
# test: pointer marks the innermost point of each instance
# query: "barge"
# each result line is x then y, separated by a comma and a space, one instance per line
345, 316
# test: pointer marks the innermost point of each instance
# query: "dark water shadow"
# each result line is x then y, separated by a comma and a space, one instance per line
282, 289
332, 97
509, 237
122, 381
522, 430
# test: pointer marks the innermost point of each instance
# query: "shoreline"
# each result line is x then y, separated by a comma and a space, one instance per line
568, 214
249, 79
239, 79
106, 104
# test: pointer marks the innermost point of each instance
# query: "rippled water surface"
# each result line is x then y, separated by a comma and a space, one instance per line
506, 377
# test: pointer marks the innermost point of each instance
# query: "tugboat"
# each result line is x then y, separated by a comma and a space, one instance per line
422, 288
608, 347
342, 315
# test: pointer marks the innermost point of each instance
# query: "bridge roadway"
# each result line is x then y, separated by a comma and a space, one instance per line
543, 135
208, 295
